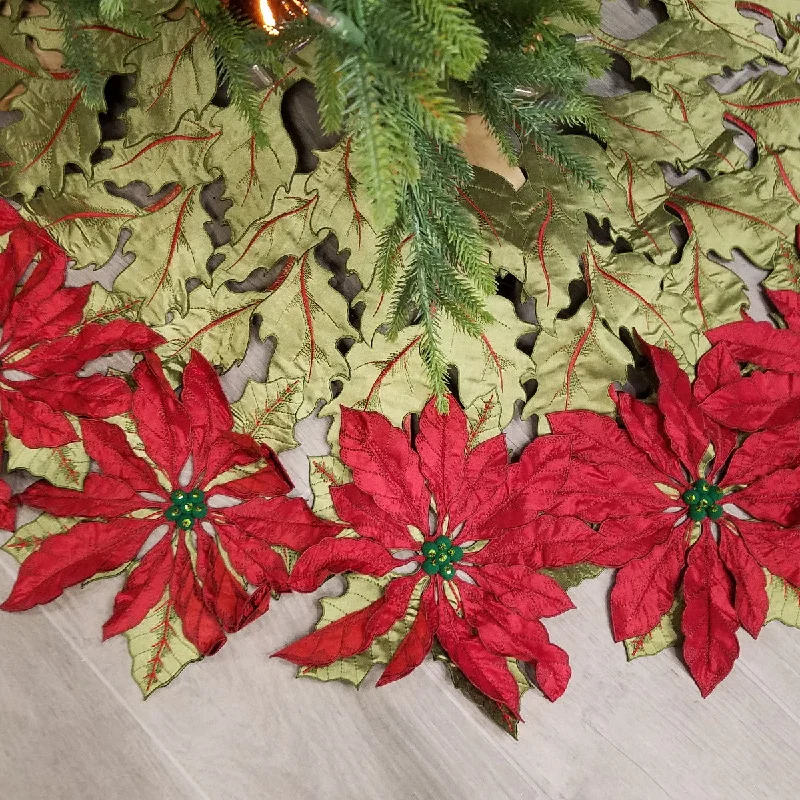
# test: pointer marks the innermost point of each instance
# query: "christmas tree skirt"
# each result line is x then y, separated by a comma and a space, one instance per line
205, 404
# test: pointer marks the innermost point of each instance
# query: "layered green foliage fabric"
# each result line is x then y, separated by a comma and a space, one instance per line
290, 258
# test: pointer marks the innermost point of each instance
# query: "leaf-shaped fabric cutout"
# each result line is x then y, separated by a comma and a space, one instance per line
171, 247
344, 208
29, 537
784, 601
160, 159
39, 145
176, 75
83, 218
389, 376
65, 466
267, 411
724, 17
159, 648
16, 61
252, 174
665, 634
575, 366
326, 472
668, 57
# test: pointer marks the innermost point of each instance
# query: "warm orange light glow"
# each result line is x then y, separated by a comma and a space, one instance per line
268, 18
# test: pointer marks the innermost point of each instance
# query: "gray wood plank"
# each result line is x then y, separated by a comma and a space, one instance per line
63, 733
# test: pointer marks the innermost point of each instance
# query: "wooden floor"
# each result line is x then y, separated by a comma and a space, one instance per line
73, 725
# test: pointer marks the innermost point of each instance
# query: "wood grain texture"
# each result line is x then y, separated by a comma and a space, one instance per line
239, 725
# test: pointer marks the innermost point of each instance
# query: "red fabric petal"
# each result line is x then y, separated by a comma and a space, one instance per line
207, 407
764, 452
709, 621
523, 590
717, 368
597, 439
41, 311
354, 632
8, 508
266, 482
645, 589
355, 507
417, 642
253, 558
69, 353
546, 542
222, 593
199, 624
442, 445
532, 486
161, 420
384, 465
486, 671
482, 480
100, 497
773, 498
595, 492
256, 605
787, 302
107, 445
683, 419
69, 558
752, 602
34, 423
20, 249
95, 396
142, 590
286, 521
629, 538
332, 556
645, 425
508, 634
774, 547
759, 343
762, 400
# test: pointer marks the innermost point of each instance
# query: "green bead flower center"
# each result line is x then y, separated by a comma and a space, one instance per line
440, 556
186, 508
702, 499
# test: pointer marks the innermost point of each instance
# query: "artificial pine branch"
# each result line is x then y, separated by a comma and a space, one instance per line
397, 76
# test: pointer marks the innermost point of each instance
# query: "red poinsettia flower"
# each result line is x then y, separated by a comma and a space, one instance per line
219, 526
762, 399
670, 490
476, 587
41, 350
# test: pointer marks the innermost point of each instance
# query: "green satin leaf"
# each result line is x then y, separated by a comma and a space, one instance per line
575, 366
325, 472
66, 466
252, 174
267, 411
570, 577
29, 537
158, 648
389, 376
161, 159
83, 218
666, 634
40, 144
784, 601
176, 75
